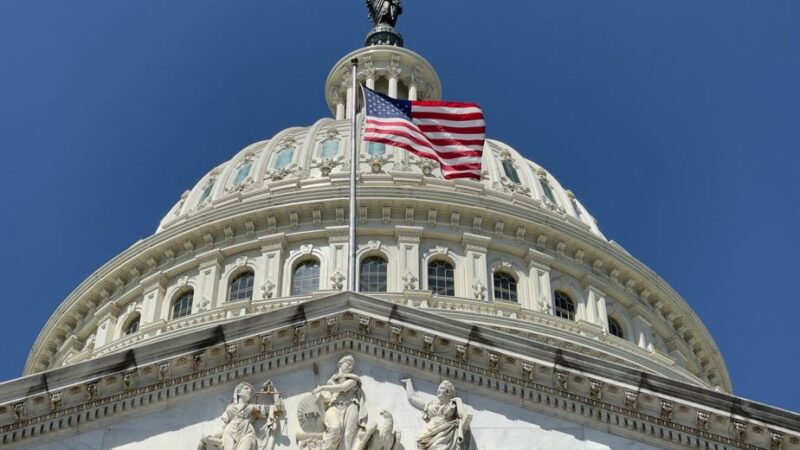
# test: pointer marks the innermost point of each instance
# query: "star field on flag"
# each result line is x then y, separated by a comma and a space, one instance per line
451, 133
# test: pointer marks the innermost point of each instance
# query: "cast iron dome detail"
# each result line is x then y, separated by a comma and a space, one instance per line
281, 204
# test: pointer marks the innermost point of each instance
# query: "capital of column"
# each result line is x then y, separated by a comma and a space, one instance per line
475, 242
210, 258
408, 234
273, 242
535, 258
338, 233
156, 280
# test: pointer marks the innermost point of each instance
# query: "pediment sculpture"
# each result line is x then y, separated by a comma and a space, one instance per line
447, 418
249, 422
334, 415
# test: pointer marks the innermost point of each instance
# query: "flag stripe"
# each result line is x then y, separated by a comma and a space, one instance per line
451, 133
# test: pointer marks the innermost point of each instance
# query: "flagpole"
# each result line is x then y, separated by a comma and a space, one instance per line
351, 261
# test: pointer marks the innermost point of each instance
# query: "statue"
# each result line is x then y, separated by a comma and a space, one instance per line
384, 11
342, 415
447, 418
381, 435
250, 422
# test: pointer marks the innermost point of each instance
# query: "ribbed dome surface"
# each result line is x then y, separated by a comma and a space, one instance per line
298, 157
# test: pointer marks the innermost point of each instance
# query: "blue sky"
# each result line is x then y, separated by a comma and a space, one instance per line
677, 124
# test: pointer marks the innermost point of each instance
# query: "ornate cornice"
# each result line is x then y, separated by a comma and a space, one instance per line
575, 387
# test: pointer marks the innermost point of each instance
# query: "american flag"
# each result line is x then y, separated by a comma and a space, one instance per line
451, 133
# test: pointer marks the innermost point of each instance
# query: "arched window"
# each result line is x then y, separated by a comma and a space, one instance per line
505, 287
329, 149
183, 305
372, 277
242, 172
511, 172
241, 287
132, 326
206, 191
565, 307
548, 191
615, 329
284, 158
376, 148
441, 278
305, 278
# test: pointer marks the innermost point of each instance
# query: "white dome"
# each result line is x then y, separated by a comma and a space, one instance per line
519, 252
315, 157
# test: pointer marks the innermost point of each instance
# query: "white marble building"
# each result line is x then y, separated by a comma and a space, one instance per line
552, 335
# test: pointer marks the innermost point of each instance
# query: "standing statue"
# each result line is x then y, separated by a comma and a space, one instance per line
384, 11
447, 418
345, 410
248, 424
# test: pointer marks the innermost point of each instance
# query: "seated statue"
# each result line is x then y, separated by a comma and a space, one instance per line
246, 425
447, 418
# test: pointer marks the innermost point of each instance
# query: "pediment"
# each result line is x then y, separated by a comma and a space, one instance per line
501, 376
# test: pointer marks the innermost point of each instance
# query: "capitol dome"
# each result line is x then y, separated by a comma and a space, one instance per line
516, 251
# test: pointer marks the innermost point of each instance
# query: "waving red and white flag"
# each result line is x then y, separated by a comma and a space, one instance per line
451, 133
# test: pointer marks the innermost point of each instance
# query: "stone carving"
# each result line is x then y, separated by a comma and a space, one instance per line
447, 418
337, 281
338, 408
250, 422
380, 436
479, 290
409, 281
266, 289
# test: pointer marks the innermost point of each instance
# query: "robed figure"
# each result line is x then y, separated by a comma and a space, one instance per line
247, 424
345, 409
447, 419
384, 11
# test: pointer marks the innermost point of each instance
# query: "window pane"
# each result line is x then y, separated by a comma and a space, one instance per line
284, 158
306, 277
565, 308
505, 287
615, 329
241, 287
132, 327
511, 172
206, 192
329, 149
373, 274
183, 306
242, 172
376, 148
441, 278
548, 191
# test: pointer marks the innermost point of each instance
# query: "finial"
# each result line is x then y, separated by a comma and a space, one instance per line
384, 14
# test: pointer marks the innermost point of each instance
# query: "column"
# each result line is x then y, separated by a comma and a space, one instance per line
412, 92
476, 285
394, 75
641, 332
108, 315
596, 307
540, 296
206, 293
338, 256
273, 248
153, 288
340, 114
408, 239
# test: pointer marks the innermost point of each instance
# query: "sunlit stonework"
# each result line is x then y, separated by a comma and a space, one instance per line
520, 324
